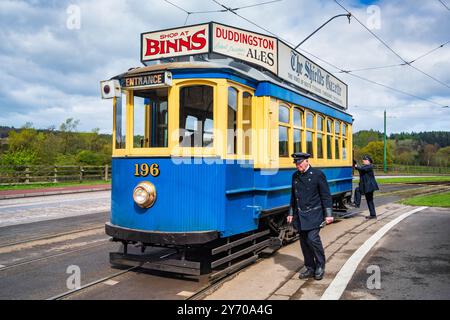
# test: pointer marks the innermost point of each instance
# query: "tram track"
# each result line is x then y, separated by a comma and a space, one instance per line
91, 284
49, 236
15, 265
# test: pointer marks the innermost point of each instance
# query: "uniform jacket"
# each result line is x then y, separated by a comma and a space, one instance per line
311, 199
367, 182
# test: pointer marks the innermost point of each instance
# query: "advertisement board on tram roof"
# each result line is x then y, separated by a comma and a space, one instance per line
264, 51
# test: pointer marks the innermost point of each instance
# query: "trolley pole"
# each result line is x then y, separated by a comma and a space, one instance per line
348, 15
384, 153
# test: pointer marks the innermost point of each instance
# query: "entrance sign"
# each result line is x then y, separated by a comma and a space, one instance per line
151, 80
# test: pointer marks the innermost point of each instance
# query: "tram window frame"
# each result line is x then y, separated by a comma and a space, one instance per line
298, 129
285, 126
232, 140
330, 138
120, 121
203, 115
247, 123
156, 118
337, 139
344, 140
310, 131
320, 133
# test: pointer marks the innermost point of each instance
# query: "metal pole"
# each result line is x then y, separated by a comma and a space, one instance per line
384, 153
348, 15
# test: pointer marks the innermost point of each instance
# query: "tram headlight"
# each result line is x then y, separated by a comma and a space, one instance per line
144, 194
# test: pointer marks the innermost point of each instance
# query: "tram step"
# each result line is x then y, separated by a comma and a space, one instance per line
147, 262
240, 253
241, 264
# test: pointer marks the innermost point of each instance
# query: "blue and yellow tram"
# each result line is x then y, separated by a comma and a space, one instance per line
203, 134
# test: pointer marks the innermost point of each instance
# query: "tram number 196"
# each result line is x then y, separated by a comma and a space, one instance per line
144, 170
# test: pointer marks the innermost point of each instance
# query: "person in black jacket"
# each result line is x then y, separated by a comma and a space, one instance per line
310, 208
367, 185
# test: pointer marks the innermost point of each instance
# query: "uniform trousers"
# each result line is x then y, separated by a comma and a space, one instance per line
312, 249
369, 199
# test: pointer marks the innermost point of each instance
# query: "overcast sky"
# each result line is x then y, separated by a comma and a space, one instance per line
50, 66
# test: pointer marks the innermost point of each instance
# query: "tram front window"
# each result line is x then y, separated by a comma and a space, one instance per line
121, 103
196, 116
150, 119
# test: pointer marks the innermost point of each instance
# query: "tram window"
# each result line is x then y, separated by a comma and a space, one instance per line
309, 120
121, 103
298, 119
344, 141
320, 120
309, 143
232, 120
337, 127
319, 123
297, 140
150, 118
337, 131
329, 139
319, 145
247, 123
283, 141
196, 116
283, 114
298, 115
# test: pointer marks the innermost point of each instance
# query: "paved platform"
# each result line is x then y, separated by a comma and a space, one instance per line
13, 194
276, 278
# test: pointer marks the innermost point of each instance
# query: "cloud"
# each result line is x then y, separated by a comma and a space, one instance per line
49, 72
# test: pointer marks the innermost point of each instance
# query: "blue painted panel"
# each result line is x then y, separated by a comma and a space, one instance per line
190, 197
272, 90
208, 73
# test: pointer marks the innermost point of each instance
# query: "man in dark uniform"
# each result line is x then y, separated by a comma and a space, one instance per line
310, 208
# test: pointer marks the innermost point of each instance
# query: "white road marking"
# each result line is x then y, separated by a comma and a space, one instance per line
186, 294
51, 202
111, 282
340, 282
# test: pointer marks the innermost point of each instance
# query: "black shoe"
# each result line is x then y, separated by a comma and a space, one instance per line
371, 217
318, 275
307, 274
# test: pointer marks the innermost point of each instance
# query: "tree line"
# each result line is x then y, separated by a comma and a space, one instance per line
66, 146
430, 148
62, 146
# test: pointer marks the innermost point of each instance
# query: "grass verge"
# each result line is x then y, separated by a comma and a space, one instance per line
412, 180
432, 200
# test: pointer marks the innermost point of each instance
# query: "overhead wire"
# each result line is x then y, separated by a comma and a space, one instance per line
392, 50
231, 10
